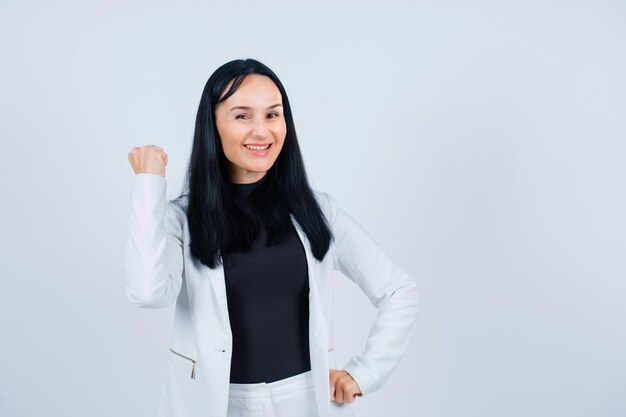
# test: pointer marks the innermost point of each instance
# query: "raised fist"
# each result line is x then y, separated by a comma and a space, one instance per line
149, 159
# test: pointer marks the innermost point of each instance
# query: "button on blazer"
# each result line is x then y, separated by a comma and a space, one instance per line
160, 271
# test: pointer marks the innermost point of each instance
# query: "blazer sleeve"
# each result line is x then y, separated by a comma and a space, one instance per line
389, 288
153, 262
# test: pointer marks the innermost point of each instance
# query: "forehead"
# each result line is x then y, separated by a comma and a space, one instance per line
255, 88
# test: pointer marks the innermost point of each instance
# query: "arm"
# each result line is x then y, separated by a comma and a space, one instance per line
389, 289
153, 262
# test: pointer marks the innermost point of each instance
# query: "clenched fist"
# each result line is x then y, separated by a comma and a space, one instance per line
149, 159
343, 388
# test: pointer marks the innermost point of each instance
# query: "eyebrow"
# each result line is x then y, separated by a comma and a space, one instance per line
249, 108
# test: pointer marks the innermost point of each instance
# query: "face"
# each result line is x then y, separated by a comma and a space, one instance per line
247, 123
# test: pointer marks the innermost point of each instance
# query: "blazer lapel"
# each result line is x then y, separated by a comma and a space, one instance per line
218, 283
317, 325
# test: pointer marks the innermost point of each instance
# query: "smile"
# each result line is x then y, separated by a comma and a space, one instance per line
258, 150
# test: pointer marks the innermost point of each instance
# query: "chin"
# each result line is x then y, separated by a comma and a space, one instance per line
260, 168
255, 170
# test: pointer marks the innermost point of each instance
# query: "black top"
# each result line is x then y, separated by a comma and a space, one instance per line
267, 290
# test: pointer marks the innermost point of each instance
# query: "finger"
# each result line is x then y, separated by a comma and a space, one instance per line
339, 393
332, 384
348, 394
350, 389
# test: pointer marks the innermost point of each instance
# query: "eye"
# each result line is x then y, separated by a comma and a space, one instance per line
240, 115
274, 114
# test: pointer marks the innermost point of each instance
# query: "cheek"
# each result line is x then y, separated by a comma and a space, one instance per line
231, 147
280, 132
231, 137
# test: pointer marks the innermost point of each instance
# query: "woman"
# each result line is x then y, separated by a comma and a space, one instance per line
247, 254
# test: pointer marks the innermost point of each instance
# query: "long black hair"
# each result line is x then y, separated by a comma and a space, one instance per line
217, 226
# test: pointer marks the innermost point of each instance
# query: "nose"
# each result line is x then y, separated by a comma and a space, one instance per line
260, 128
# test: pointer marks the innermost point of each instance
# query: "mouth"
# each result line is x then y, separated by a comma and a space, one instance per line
258, 149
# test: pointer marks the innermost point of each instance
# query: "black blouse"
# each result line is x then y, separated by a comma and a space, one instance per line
267, 290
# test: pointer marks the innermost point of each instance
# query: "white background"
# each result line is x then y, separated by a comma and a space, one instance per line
482, 145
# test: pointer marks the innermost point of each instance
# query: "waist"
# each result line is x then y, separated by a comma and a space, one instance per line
282, 386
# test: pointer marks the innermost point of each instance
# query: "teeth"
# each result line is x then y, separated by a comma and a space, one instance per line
257, 148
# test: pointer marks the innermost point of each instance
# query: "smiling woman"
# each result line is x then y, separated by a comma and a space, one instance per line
247, 254
251, 128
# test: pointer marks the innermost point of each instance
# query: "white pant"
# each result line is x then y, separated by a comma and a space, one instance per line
289, 397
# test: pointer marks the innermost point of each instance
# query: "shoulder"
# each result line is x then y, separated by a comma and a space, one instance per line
179, 203
327, 203
321, 197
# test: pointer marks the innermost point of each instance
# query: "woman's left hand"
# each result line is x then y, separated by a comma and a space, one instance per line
343, 388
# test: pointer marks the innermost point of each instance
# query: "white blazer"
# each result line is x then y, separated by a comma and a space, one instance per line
160, 270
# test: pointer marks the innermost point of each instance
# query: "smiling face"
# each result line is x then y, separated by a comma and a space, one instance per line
248, 122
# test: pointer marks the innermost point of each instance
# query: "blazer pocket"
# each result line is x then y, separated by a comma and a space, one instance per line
190, 361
